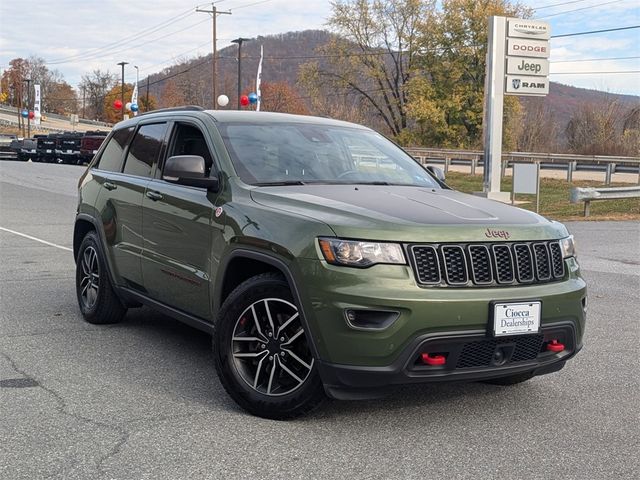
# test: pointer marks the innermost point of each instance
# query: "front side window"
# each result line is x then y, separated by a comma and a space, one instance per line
306, 153
113, 154
145, 149
189, 140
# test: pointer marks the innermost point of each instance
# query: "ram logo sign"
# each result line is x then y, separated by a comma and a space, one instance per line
527, 85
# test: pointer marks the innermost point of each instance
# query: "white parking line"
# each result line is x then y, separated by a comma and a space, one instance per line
36, 239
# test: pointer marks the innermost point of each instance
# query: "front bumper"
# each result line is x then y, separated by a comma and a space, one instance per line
470, 356
361, 359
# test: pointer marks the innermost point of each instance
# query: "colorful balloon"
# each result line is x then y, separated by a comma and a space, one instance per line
134, 107
24, 113
253, 98
223, 100
117, 104
31, 115
244, 100
128, 106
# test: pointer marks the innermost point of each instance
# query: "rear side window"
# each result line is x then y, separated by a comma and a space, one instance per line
145, 149
113, 154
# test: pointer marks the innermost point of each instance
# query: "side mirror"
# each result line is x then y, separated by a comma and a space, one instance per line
436, 172
188, 170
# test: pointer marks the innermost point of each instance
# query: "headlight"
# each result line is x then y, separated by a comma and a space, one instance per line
354, 253
568, 247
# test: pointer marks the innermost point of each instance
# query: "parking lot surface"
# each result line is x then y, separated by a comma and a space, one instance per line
141, 399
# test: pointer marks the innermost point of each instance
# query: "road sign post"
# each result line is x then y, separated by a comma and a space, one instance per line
517, 64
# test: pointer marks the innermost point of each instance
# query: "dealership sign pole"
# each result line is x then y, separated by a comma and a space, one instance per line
517, 64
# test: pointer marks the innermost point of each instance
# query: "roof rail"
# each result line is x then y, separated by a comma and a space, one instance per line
176, 109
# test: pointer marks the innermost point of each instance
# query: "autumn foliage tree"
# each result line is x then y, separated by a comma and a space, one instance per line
172, 95
281, 97
113, 115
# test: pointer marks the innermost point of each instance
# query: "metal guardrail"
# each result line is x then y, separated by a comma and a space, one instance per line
589, 194
14, 111
611, 164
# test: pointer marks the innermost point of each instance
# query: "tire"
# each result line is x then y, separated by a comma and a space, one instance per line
271, 376
96, 298
511, 380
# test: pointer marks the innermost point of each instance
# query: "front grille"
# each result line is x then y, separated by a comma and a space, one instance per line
487, 264
481, 353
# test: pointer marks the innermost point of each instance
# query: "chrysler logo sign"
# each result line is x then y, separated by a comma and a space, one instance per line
528, 29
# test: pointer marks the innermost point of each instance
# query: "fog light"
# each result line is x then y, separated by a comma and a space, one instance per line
370, 319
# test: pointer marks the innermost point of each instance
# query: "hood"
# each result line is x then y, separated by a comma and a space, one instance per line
411, 214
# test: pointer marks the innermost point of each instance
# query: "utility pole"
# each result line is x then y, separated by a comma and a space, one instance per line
122, 87
214, 15
84, 89
28, 80
240, 41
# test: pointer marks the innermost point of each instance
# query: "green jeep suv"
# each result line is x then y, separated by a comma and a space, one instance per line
321, 257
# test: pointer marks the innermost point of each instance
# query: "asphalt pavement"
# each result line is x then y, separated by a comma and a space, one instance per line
140, 400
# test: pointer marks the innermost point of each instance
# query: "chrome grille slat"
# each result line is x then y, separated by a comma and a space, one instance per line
455, 265
557, 265
542, 261
524, 263
487, 264
480, 264
503, 262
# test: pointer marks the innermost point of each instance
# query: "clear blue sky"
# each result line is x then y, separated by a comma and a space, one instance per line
72, 31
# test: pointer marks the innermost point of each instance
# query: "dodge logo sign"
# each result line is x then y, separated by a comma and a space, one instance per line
516, 83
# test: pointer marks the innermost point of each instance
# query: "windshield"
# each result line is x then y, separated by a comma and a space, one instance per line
277, 154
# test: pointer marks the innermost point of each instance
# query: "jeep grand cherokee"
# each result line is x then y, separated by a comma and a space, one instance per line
321, 257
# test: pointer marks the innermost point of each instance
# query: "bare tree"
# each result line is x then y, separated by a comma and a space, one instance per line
604, 128
96, 85
538, 129
373, 54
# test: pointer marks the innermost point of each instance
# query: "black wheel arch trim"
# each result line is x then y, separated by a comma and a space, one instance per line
99, 230
279, 264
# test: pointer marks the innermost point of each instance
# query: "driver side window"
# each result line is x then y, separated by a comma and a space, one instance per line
189, 140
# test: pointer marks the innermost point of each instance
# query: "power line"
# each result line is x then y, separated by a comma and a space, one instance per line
582, 8
595, 31
619, 72
188, 27
558, 4
249, 5
91, 52
594, 59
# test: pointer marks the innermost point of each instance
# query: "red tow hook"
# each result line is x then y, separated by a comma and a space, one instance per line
555, 346
433, 360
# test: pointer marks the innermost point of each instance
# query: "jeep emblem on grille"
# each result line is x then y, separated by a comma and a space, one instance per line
497, 234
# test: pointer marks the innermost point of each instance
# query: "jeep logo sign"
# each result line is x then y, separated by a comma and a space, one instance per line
528, 66
527, 85
527, 48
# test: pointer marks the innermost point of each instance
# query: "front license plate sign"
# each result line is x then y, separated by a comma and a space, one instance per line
516, 318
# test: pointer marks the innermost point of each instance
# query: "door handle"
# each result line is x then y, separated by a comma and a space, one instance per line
110, 186
155, 196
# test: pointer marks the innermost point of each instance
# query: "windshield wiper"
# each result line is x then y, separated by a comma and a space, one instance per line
279, 184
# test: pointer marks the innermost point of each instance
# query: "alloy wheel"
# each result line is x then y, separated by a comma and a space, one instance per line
269, 347
89, 284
